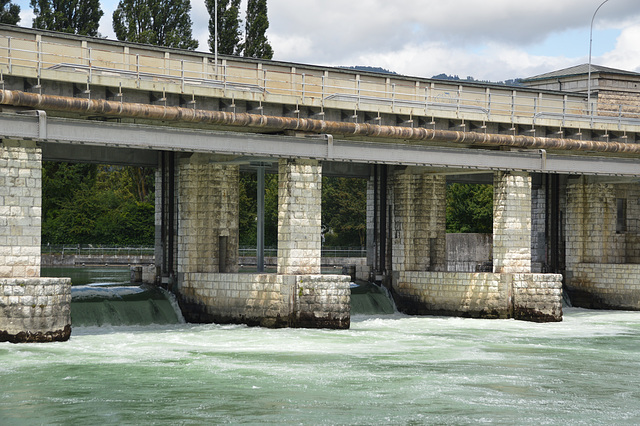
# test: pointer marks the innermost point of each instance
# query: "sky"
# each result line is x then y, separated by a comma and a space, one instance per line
491, 40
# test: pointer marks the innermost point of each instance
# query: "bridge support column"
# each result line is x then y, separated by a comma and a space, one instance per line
511, 222
32, 309
298, 295
602, 239
419, 225
511, 291
299, 217
208, 215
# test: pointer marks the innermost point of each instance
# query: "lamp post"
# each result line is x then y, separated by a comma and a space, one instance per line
216, 36
590, 45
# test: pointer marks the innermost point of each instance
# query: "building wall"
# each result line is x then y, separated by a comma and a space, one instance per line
602, 250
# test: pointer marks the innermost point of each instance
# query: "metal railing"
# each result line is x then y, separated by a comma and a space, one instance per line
126, 65
95, 250
246, 251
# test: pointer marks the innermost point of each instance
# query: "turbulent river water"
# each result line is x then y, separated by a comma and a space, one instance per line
387, 369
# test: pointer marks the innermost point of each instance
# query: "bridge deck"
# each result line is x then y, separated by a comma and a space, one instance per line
87, 62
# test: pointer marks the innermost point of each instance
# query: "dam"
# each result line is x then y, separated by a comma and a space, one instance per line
564, 173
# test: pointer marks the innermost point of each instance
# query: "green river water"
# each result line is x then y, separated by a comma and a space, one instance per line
387, 369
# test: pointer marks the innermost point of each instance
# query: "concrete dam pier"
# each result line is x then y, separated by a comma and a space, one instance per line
564, 175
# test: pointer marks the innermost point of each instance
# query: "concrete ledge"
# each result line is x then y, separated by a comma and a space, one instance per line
604, 286
268, 300
35, 309
529, 297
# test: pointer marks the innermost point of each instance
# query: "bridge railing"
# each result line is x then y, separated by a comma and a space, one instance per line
96, 61
95, 250
248, 251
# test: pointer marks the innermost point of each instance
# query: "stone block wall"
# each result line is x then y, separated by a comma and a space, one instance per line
269, 300
208, 227
531, 297
591, 224
512, 222
20, 209
299, 217
32, 309
419, 222
35, 309
597, 286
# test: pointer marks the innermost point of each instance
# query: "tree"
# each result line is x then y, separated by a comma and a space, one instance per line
229, 33
344, 211
256, 44
469, 208
159, 22
9, 13
69, 16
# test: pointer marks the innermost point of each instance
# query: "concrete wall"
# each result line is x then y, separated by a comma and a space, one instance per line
270, 300
32, 309
467, 252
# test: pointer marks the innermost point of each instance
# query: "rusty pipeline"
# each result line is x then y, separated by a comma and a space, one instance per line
273, 123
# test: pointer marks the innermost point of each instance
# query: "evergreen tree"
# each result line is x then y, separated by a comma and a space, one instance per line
9, 13
158, 22
228, 26
256, 44
69, 16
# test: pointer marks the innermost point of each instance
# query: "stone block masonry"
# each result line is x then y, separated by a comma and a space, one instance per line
268, 300
511, 222
529, 297
35, 309
32, 309
299, 217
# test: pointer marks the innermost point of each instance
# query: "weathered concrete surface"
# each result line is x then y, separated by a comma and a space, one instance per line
466, 252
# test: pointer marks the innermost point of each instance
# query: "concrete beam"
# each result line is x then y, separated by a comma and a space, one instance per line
119, 135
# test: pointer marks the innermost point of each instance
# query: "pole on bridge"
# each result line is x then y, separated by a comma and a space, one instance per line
260, 220
590, 45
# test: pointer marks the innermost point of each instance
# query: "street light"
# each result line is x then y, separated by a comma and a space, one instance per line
216, 35
590, 44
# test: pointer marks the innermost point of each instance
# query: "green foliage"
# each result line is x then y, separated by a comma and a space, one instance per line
344, 210
249, 209
69, 16
89, 204
256, 44
229, 33
469, 208
158, 22
9, 12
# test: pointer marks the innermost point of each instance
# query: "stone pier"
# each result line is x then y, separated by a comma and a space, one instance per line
210, 289
510, 291
32, 309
